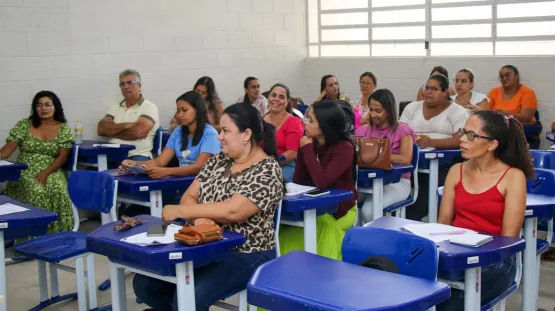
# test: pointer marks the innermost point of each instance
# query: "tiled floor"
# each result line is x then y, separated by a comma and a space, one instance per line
23, 290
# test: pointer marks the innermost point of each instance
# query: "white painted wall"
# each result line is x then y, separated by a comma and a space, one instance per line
403, 76
76, 48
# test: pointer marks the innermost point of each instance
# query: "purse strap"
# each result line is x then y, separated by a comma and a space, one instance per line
380, 151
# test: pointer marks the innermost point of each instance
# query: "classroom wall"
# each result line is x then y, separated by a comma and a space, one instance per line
403, 76
77, 48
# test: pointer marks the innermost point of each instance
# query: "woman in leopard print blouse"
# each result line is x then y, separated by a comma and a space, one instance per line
238, 188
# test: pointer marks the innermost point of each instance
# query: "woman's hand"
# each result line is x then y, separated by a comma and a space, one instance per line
157, 172
204, 221
423, 141
170, 213
122, 167
305, 141
322, 95
41, 178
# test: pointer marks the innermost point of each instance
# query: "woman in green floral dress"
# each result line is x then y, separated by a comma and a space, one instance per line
44, 141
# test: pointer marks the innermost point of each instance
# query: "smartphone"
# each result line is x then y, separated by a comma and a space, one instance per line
156, 230
316, 193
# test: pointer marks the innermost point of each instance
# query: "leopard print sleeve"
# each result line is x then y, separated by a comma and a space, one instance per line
265, 189
210, 166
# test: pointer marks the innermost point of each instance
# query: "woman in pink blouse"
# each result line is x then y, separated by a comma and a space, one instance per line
289, 128
384, 123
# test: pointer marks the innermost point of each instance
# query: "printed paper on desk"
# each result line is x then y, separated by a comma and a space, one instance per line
144, 240
436, 232
4, 163
9, 208
107, 145
294, 189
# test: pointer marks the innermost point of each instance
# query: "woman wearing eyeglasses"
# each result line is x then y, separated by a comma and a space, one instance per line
436, 120
466, 97
437, 70
44, 141
487, 193
368, 84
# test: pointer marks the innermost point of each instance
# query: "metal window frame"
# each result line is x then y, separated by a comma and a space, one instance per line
428, 23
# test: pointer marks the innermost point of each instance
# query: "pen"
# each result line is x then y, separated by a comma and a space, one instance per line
417, 138
449, 232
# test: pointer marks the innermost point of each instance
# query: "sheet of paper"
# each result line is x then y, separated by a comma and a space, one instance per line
107, 145
436, 232
294, 189
9, 208
4, 163
426, 149
144, 240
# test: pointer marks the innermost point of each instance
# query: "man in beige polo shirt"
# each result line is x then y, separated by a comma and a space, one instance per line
134, 120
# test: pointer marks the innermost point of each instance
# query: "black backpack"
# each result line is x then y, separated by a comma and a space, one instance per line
349, 115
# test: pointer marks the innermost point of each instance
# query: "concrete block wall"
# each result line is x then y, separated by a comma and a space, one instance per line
77, 48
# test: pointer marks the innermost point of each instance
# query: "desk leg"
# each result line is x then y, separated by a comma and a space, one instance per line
529, 293
3, 273
156, 204
377, 198
310, 231
117, 276
185, 278
432, 191
472, 287
102, 162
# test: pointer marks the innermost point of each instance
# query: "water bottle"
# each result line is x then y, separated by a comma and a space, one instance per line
78, 130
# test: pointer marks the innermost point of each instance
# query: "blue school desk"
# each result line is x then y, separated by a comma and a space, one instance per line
172, 262
100, 156
550, 136
301, 211
454, 258
143, 190
430, 161
11, 172
33, 222
304, 281
375, 180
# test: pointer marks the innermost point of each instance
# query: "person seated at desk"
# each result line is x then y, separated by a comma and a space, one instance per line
437, 70
253, 97
193, 143
134, 121
329, 89
436, 120
207, 89
368, 83
44, 141
465, 97
238, 188
514, 98
383, 123
327, 160
487, 193
289, 128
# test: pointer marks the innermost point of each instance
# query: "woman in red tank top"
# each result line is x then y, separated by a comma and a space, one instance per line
487, 193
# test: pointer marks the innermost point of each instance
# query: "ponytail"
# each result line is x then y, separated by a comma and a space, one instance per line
516, 152
269, 138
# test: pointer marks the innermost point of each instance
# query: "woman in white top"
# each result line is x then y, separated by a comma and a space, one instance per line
368, 84
436, 119
465, 97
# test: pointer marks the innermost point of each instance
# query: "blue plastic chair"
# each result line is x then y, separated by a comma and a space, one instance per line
414, 256
302, 108
243, 293
543, 159
157, 143
89, 190
400, 208
71, 162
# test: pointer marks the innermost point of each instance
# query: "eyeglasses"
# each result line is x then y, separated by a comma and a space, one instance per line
123, 83
471, 135
461, 80
431, 89
506, 76
45, 105
366, 83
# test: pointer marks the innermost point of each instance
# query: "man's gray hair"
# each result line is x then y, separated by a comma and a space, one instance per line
129, 72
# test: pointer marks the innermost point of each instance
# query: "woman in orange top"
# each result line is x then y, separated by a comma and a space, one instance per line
513, 98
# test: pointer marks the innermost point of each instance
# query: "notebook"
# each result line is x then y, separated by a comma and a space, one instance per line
439, 233
472, 240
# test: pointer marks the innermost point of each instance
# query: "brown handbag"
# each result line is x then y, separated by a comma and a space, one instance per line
373, 152
199, 234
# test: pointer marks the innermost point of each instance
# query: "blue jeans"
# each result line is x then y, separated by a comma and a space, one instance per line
288, 170
495, 281
139, 158
212, 283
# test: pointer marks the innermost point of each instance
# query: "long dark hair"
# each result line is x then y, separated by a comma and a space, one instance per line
332, 120
387, 99
323, 84
195, 100
213, 98
443, 84
58, 109
247, 117
513, 148
246, 86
